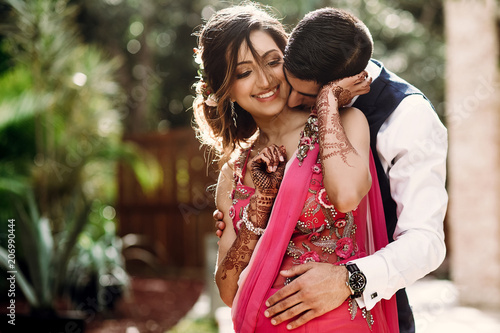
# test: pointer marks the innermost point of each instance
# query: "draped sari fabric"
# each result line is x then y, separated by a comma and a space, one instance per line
264, 265
257, 279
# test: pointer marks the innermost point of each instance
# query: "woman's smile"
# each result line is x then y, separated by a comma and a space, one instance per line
269, 95
259, 86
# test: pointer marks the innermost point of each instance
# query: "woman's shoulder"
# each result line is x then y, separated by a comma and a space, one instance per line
228, 168
352, 114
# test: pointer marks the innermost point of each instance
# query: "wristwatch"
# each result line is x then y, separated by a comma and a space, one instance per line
357, 280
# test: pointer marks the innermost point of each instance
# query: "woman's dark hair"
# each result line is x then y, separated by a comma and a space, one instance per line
328, 44
218, 45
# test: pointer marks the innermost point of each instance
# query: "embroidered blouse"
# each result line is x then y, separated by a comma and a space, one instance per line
322, 233
240, 195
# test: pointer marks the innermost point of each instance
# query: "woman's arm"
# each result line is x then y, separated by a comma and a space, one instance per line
235, 251
344, 148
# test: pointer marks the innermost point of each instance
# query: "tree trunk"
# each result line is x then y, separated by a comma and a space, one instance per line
472, 110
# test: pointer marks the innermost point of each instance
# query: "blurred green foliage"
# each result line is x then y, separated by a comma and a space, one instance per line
155, 37
60, 140
199, 325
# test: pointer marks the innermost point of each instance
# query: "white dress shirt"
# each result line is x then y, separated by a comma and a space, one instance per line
412, 146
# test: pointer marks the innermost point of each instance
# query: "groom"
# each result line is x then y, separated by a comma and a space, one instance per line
409, 145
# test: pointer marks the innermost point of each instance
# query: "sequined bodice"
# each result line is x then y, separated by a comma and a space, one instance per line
322, 234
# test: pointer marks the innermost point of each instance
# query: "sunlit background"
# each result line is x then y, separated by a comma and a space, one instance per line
109, 192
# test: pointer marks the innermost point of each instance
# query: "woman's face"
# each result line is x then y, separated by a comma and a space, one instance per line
256, 91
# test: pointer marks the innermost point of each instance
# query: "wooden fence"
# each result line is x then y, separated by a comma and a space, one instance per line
176, 218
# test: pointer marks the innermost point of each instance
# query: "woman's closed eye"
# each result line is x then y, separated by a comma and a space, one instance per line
243, 74
275, 62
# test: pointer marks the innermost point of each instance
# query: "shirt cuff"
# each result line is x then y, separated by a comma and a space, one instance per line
374, 268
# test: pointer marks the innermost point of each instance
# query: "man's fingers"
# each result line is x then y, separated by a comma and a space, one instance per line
220, 225
291, 312
281, 294
217, 215
296, 270
306, 316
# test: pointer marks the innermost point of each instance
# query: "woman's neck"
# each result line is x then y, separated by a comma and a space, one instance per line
282, 128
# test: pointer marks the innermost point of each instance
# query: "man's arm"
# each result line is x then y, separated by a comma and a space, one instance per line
321, 287
412, 146
414, 141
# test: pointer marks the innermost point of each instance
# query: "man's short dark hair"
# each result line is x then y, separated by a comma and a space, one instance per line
328, 44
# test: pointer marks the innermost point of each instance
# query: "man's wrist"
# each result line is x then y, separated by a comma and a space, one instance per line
356, 280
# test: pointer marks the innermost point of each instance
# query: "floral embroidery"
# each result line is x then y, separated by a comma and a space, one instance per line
322, 198
308, 226
305, 141
344, 247
308, 257
311, 207
308, 137
340, 223
316, 168
302, 256
240, 194
232, 212
326, 243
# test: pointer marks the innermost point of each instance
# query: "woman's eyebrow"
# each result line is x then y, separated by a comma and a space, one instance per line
263, 56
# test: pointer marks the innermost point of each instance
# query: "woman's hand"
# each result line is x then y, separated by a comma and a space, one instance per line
267, 170
345, 89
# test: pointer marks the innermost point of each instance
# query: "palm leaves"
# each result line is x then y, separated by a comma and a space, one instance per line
60, 125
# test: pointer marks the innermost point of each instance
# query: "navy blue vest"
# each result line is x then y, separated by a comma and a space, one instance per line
386, 92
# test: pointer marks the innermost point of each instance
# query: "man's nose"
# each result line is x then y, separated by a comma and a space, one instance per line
294, 99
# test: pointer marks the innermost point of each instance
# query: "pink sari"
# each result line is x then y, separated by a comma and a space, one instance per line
256, 281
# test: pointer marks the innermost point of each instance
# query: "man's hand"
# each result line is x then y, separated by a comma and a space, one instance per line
318, 289
219, 223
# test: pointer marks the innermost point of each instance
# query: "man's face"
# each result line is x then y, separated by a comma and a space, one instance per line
302, 93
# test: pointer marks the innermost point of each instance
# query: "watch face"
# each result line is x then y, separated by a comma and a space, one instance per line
357, 281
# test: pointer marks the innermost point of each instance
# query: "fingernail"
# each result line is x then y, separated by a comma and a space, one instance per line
288, 327
273, 321
266, 313
268, 304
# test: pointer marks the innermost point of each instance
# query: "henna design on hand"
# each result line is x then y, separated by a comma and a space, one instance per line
260, 210
268, 183
330, 125
342, 95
